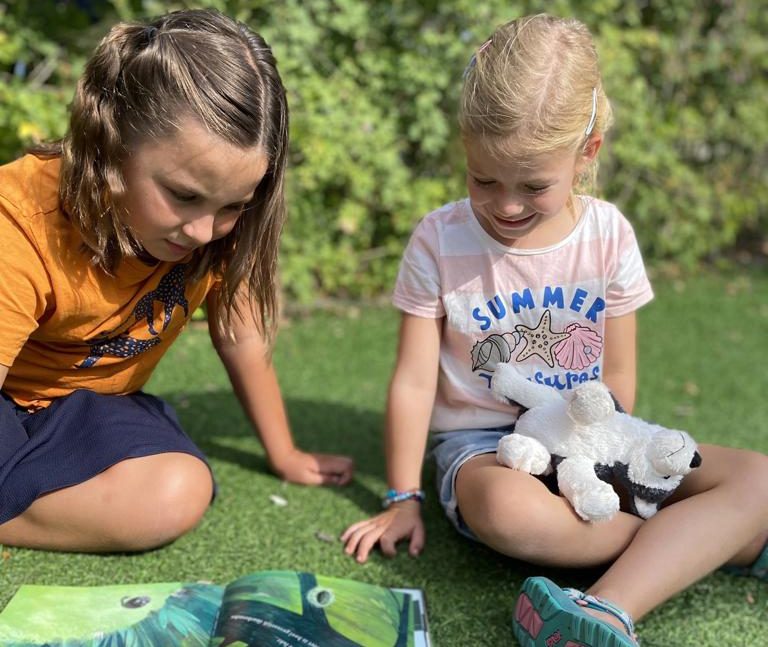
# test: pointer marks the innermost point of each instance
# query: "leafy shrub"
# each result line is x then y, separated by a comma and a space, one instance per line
373, 88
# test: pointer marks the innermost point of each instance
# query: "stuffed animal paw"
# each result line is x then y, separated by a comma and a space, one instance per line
591, 498
596, 503
524, 453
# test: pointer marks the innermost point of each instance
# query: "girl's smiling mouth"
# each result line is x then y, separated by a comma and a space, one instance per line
514, 224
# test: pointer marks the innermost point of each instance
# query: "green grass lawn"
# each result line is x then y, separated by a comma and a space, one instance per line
703, 367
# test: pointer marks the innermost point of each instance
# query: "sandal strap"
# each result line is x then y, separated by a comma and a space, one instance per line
601, 604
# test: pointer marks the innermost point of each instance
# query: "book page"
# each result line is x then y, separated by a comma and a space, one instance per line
295, 609
167, 614
419, 612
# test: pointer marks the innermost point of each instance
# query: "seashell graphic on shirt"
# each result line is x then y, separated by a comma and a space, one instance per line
581, 349
487, 353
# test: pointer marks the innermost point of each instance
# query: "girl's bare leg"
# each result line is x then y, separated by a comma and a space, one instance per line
515, 514
719, 515
137, 504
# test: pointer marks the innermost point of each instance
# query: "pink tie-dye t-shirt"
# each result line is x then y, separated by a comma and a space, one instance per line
543, 310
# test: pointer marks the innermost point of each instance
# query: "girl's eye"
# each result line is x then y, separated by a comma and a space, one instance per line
234, 207
536, 189
483, 182
182, 197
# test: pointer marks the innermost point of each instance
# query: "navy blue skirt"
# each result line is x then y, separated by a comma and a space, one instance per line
77, 437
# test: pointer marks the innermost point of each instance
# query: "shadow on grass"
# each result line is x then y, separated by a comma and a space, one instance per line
215, 422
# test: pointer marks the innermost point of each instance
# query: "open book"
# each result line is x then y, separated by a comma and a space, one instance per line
280, 608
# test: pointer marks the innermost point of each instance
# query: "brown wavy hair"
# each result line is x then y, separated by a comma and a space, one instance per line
142, 80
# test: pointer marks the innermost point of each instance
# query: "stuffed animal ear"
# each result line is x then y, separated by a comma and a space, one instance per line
590, 403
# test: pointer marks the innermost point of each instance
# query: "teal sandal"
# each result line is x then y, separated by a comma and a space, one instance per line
546, 615
758, 569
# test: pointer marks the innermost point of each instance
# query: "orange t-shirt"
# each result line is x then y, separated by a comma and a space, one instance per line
64, 323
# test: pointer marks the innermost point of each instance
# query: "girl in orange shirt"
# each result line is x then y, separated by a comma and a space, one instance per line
166, 193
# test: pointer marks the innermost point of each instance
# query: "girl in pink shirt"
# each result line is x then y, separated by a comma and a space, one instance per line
527, 272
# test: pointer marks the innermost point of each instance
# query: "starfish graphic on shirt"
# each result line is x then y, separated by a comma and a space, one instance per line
170, 293
540, 339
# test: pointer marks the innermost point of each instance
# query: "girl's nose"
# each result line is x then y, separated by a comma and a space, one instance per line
200, 229
509, 204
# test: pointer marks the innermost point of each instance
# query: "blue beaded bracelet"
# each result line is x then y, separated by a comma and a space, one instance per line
393, 496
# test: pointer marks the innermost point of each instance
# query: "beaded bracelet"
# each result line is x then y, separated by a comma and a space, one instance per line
393, 496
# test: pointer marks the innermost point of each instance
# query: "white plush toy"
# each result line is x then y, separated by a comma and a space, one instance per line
589, 444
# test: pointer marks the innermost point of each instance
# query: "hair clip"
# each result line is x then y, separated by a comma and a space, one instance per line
473, 60
593, 118
150, 31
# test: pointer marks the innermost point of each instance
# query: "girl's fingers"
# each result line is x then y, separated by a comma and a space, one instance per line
387, 544
344, 478
336, 470
316, 478
417, 541
354, 537
366, 544
326, 478
361, 537
354, 528
351, 529
336, 478
350, 538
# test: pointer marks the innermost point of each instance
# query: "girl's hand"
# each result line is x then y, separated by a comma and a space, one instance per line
314, 469
400, 521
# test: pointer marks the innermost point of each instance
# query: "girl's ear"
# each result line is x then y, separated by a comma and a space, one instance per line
590, 150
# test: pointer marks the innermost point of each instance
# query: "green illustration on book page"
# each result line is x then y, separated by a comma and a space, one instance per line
133, 614
289, 608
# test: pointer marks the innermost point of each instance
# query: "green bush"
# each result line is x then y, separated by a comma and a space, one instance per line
35, 85
688, 161
373, 88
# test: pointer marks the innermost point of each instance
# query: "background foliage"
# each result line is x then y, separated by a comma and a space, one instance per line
373, 87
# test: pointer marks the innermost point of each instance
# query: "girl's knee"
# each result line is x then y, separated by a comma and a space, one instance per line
745, 468
184, 495
752, 472
740, 470
757, 461
175, 492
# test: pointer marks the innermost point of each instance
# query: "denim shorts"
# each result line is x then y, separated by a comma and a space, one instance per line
77, 437
451, 449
